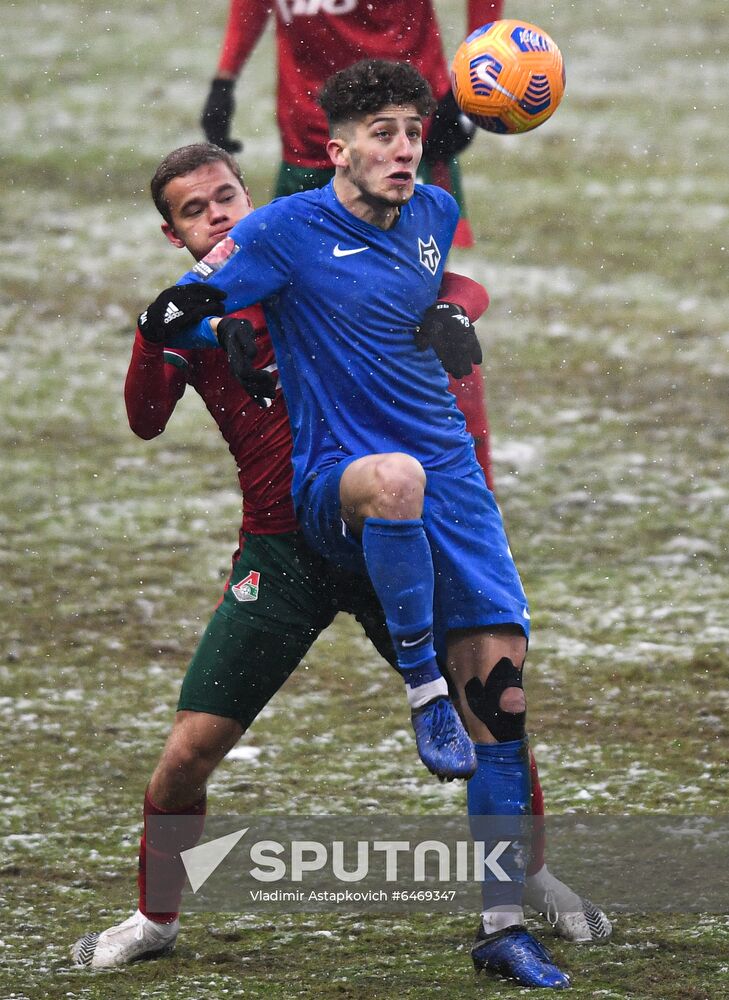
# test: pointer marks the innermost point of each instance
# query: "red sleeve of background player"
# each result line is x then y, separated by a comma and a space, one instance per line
464, 292
482, 11
152, 388
246, 21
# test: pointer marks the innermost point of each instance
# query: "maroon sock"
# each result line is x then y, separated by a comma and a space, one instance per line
159, 857
536, 862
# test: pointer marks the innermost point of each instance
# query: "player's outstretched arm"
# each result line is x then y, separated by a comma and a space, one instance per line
151, 389
246, 21
177, 308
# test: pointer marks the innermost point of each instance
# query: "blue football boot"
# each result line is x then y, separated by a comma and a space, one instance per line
444, 745
515, 954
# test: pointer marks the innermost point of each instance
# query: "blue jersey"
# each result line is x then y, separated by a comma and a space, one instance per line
342, 299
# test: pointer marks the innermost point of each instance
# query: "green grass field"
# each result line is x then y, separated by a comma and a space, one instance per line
602, 238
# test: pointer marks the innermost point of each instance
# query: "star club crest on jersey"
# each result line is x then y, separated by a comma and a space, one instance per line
247, 588
219, 255
429, 254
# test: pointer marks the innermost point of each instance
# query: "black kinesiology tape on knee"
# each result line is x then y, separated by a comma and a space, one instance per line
484, 699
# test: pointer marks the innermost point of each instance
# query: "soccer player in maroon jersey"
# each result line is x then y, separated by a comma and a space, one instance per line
279, 596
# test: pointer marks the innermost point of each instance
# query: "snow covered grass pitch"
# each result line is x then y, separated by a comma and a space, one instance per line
601, 239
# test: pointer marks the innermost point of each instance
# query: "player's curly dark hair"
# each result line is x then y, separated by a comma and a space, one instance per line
183, 161
371, 84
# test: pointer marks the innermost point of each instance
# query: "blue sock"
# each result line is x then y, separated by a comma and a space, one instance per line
400, 567
499, 797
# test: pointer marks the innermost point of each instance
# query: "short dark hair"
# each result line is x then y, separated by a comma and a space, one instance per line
369, 85
183, 161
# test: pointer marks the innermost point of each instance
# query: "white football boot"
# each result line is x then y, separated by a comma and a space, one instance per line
134, 939
573, 918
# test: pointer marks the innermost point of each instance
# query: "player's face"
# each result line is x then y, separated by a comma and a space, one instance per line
382, 152
204, 206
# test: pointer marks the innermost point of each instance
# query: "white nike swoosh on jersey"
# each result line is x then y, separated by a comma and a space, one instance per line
339, 252
408, 644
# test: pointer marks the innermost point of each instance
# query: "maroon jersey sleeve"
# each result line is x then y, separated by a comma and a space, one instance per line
152, 388
464, 292
258, 439
469, 391
482, 11
246, 21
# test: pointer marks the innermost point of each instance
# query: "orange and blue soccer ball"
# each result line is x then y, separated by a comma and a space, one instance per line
508, 76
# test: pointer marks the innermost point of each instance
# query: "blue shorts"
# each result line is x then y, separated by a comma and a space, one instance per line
476, 581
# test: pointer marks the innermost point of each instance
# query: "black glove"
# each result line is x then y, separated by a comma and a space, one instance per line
217, 115
238, 340
450, 131
178, 307
450, 333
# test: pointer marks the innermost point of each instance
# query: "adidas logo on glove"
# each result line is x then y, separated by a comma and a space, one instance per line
171, 312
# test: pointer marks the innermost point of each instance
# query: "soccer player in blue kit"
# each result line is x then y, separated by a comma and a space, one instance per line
385, 477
